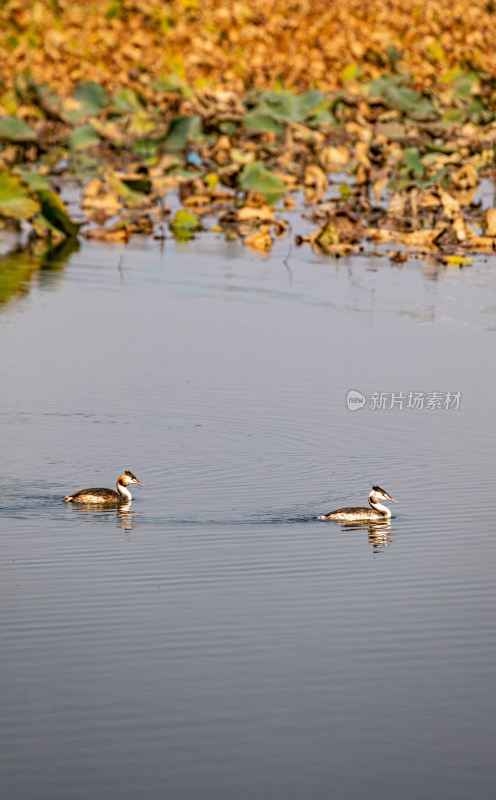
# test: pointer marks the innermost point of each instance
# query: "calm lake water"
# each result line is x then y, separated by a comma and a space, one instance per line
215, 640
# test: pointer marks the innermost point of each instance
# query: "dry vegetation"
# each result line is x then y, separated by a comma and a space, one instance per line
238, 105
245, 45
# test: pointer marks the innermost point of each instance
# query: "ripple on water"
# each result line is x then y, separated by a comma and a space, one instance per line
215, 629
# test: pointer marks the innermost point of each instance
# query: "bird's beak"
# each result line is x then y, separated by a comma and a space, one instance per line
392, 500
142, 484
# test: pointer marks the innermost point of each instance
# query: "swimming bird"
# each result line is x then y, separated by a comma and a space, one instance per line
94, 496
377, 511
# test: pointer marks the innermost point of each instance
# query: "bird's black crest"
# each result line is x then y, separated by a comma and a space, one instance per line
131, 475
378, 489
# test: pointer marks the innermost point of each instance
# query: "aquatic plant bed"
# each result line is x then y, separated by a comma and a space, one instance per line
378, 124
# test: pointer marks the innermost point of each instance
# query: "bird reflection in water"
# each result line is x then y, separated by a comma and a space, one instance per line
379, 532
125, 517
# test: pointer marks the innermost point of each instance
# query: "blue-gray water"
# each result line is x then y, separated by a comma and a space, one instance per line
216, 641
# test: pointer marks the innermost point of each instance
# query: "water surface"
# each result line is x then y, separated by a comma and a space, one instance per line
215, 640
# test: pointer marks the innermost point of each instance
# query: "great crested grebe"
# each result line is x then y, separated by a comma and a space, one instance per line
377, 511
122, 495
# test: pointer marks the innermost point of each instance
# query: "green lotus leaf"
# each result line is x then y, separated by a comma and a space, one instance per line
257, 178
34, 180
127, 100
184, 224
132, 192
83, 137
259, 122
15, 198
411, 158
182, 130
53, 209
91, 96
16, 130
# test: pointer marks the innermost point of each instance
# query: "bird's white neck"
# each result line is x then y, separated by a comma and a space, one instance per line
124, 491
383, 510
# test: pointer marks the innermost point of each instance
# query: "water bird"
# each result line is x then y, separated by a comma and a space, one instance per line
376, 511
122, 495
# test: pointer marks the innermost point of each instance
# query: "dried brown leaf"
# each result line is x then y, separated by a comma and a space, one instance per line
280, 228
397, 205
489, 222
107, 203
362, 175
107, 235
306, 135
197, 201
462, 230
418, 239
378, 188
465, 178
221, 152
261, 240
482, 244
380, 235
92, 189
430, 200
255, 216
451, 206
334, 158
315, 182
348, 228
361, 153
